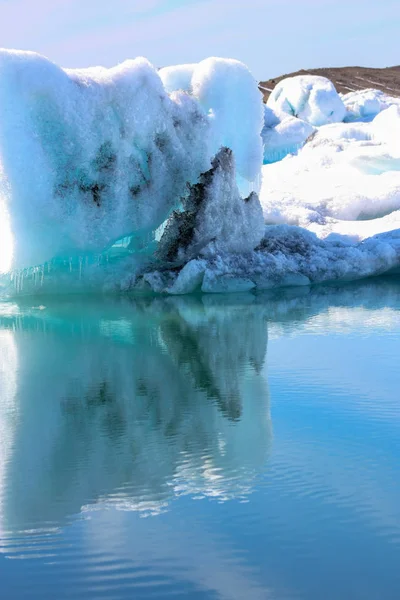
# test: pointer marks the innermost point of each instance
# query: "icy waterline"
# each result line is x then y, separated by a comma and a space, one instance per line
291, 257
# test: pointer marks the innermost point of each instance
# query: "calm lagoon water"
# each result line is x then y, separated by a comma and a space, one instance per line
241, 447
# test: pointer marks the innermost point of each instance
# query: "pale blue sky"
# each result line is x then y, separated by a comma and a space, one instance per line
272, 36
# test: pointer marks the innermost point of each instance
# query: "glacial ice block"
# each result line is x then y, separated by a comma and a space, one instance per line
309, 97
364, 105
90, 156
286, 137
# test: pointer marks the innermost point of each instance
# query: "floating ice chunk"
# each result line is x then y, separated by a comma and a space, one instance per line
295, 250
287, 137
366, 104
292, 256
309, 97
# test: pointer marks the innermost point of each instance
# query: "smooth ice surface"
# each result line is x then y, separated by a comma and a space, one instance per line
228, 93
386, 127
149, 448
90, 156
131, 365
309, 97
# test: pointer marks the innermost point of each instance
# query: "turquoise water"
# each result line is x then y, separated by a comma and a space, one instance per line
237, 447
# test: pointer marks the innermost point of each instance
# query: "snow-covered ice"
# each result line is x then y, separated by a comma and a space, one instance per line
285, 137
309, 97
366, 104
177, 77
90, 156
386, 127
346, 180
131, 179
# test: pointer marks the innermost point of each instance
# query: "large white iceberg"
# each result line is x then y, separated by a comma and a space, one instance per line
90, 156
136, 179
309, 97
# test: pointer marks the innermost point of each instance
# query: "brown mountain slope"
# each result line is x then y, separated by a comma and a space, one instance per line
348, 79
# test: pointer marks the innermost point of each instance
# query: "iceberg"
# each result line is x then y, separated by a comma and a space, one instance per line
133, 179
364, 105
309, 97
88, 157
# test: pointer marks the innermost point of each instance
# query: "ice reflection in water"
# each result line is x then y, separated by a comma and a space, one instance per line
150, 405
131, 403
